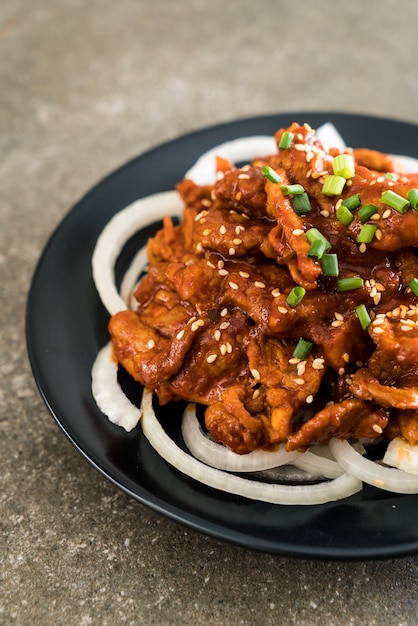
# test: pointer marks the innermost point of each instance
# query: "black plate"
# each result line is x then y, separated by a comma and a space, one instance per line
66, 326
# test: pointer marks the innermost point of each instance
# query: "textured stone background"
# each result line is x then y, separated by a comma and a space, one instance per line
84, 86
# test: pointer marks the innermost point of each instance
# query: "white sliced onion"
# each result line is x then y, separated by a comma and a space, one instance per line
108, 394
316, 461
320, 493
117, 232
402, 455
244, 149
221, 457
130, 279
329, 136
370, 472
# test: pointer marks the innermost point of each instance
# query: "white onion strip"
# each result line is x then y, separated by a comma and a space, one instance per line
370, 472
320, 493
117, 232
108, 394
221, 457
317, 464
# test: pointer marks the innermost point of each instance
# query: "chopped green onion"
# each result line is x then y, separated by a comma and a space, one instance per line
395, 201
367, 233
292, 190
366, 211
363, 316
347, 284
313, 234
413, 198
333, 185
344, 215
390, 176
295, 296
301, 203
352, 202
318, 248
329, 264
286, 140
413, 285
302, 349
343, 165
269, 173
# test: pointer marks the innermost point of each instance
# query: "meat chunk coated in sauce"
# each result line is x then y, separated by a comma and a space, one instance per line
216, 324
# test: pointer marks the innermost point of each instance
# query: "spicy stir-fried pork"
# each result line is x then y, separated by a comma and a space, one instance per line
244, 282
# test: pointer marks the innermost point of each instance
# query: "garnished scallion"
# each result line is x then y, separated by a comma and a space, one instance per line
343, 165
344, 215
318, 248
270, 174
329, 263
303, 349
366, 211
286, 140
333, 185
292, 190
367, 233
395, 201
363, 316
301, 203
413, 285
413, 198
390, 176
313, 234
347, 284
352, 202
295, 296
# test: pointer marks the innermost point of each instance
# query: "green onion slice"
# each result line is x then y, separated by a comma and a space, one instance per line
352, 202
344, 215
413, 198
301, 203
295, 296
333, 185
363, 316
269, 173
286, 140
413, 285
390, 176
347, 284
329, 263
367, 233
395, 201
366, 211
343, 165
318, 248
292, 190
302, 349
313, 234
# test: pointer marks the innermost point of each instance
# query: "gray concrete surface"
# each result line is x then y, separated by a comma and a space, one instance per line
84, 86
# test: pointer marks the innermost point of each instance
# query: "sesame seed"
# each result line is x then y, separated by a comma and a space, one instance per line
217, 334
205, 202
256, 394
244, 274
377, 429
180, 335
197, 325
224, 325
299, 136
324, 213
298, 231
362, 247
199, 215
211, 358
275, 293
222, 229
309, 156
282, 309
255, 374
301, 367
199, 247
341, 371
243, 176
223, 272
373, 292
378, 330
337, 323
231, 251
238, 195
233, 286
309, 399
228, 347
373, 182
318, 364
221, 264
379, 320
406, 328
207, 232
386, 214
378, 234
299, 381
375, 217
150, 344
239, 229
224, 312
209, 264
259, 284
222, 349
338, 316
377, 298
381, 179
237, 242
294, 360
349, 182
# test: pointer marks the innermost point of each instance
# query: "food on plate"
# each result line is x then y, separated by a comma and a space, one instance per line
285, 303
